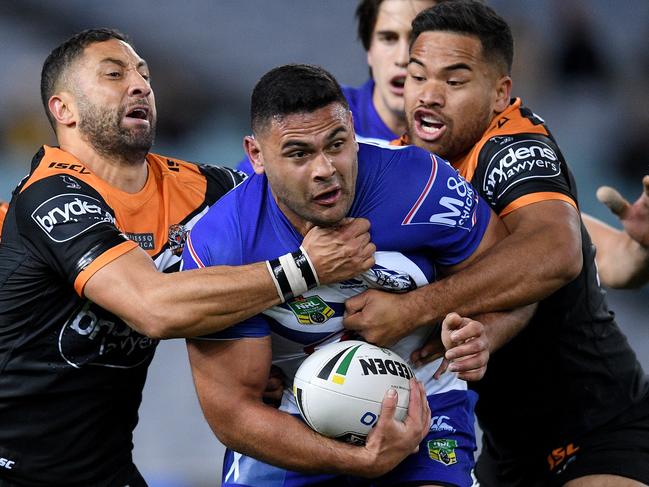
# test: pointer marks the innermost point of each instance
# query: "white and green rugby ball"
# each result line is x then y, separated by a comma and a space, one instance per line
339, 388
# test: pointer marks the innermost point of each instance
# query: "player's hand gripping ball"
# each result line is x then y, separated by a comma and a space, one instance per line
339, 388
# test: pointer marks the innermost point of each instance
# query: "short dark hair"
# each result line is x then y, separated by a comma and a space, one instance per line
292, 88
473, 18
65, 54
366, 14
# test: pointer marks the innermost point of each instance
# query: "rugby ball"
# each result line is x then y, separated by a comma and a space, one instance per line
339, 388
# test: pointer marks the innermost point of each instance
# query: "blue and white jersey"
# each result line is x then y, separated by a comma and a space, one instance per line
368, 125
422, 214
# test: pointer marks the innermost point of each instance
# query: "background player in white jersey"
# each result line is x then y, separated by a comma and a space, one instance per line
311, 171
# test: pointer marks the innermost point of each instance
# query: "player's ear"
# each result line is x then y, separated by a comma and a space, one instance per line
253, 151
503, 93
351, 125
62, 108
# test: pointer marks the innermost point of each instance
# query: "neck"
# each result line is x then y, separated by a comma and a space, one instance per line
396, 122
126, 174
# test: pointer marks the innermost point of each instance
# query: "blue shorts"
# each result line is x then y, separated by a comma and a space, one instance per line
445, 456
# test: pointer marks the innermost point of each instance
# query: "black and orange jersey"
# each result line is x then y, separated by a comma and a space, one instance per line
71, 373
571, 368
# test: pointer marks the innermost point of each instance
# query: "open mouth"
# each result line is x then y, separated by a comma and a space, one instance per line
396, 85
428, 126
328, 197
139, 113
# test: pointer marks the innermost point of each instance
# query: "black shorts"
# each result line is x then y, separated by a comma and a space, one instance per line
620, 447
132, 478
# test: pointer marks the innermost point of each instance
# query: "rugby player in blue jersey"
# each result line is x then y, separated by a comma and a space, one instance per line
425, 220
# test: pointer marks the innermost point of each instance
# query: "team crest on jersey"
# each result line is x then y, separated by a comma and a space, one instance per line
389, 280
177, 238
443, 451
311, 310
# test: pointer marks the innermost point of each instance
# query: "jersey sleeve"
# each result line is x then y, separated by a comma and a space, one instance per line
518, 170
67, 225
215, 240
220, 180
431, 207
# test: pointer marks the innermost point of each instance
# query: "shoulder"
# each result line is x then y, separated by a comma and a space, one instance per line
217, 238
238, 206
185, 169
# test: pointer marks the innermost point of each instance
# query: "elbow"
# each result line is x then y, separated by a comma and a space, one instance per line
570, 264
155, 321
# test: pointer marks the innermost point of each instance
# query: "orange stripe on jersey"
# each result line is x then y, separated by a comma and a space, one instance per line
173, 190
531, 198
193, 253
101, 261
57, 161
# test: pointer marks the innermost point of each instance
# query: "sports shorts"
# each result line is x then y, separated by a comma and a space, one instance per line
131, 478
445, 456
620, 447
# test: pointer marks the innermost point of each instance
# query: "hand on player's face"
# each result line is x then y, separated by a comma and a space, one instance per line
311, 162
342, 252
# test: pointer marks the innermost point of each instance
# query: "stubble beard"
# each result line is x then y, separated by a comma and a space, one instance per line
103, 131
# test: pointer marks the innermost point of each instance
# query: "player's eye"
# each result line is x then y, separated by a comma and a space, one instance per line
388, 37
337, 145
114, 74
455, 82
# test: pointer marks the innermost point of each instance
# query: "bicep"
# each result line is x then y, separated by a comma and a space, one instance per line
119, 285
228, 374
555, 216
494, 232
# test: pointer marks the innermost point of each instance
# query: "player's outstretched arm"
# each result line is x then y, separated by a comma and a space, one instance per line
199, 302
622, 255
541, 253
230, 377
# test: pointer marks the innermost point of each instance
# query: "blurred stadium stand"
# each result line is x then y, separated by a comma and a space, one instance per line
582, 65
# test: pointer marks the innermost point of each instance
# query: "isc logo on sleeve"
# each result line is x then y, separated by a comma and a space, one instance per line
66, 216
6, 463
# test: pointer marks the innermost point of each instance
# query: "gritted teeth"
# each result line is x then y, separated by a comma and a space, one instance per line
428, 121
